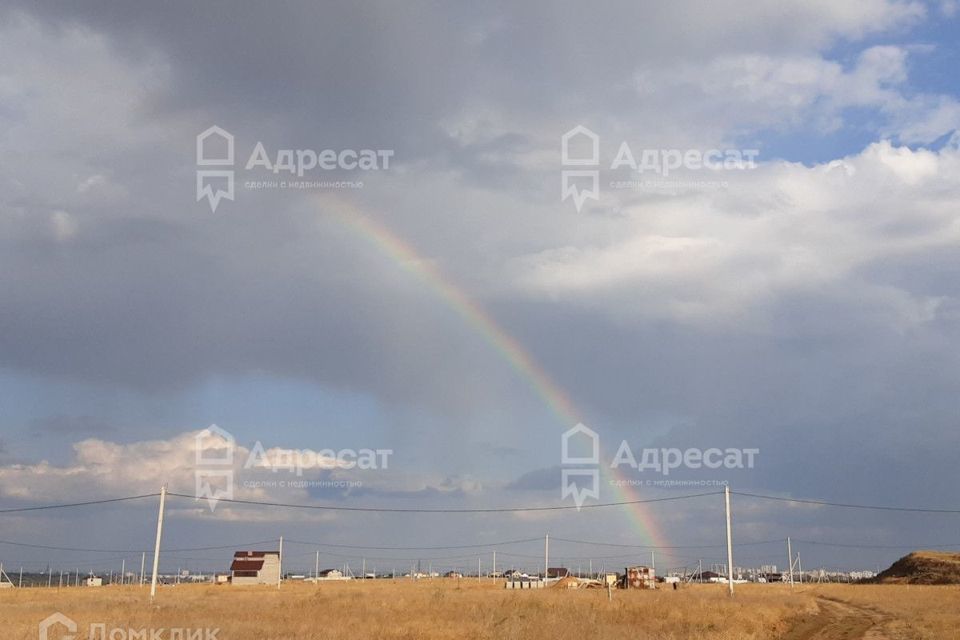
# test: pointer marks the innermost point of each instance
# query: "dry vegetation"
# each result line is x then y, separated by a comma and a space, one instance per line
451, 609
924, 567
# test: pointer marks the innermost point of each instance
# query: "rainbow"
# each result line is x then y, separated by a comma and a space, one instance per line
556, 399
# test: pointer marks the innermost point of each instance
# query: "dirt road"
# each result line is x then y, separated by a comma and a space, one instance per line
837, 620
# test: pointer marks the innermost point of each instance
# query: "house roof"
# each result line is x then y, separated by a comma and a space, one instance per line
250, 560
255, 554
240, 564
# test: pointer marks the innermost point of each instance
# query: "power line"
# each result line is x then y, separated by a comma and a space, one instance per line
491, 509
77, 549
567, 556
440, 548
655, 547
99, 562
358, 556
845, 505
225, 546
79, 504
450, 510
365, 509
874, 546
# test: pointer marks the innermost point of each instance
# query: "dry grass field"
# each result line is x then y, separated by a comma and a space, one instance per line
448, 609
924, 567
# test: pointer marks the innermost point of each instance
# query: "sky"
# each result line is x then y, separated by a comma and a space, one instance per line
450, 306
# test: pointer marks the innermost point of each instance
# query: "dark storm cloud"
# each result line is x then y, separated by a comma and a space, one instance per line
536, 480
139, 287
362, 74
194, 297
155, 305
71, 426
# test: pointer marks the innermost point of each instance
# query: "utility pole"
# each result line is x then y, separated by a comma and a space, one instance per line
726, 497
494, 574
790, 560
546, 557
280, 562
653, 562
478, 568
316, 569
123, 572
20, 581
156, 547
143, 564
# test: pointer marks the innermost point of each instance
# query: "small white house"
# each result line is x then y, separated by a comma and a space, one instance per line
94, 581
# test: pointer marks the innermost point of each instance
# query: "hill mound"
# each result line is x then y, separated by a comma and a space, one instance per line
923, 567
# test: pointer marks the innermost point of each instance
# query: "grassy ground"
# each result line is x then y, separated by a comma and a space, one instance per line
450, 609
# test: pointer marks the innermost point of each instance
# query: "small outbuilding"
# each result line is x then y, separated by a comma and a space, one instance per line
639, 577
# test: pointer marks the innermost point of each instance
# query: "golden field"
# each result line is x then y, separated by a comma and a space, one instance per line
452, 609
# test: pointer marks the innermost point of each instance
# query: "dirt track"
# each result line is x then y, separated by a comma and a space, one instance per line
838, 619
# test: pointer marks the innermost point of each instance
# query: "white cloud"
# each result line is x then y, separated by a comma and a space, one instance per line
733, 93
100, 467
105, 469
782, 228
